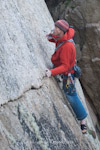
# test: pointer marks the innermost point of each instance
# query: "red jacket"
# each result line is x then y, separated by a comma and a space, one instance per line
64, 58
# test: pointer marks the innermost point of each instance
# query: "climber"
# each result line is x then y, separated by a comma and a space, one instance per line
63, 59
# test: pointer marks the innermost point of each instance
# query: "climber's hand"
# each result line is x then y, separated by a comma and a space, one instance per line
48, 73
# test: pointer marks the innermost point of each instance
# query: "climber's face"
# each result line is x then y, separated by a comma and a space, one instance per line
58, 32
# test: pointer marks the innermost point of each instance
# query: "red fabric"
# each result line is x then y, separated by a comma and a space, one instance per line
64, 58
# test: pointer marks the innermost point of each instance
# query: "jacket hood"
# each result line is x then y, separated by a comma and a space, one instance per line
70, 33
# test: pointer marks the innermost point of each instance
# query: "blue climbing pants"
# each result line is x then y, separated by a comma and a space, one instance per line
74, 100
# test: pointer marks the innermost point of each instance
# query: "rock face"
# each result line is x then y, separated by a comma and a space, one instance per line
33, 114
22, 59
40, 121
84, 15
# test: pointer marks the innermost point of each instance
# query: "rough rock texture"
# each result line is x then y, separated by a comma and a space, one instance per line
40, 121
33, 114
84, 15
23, 47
